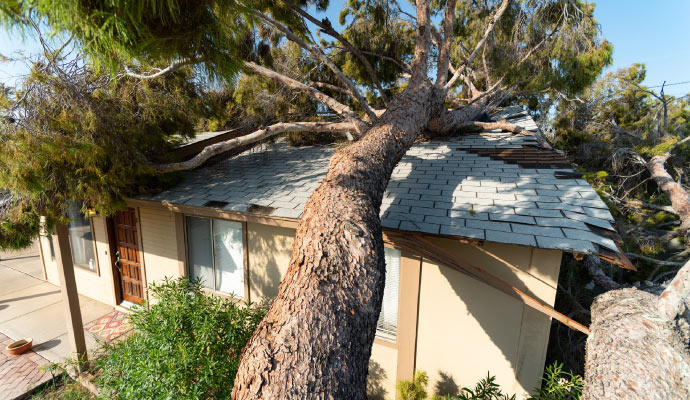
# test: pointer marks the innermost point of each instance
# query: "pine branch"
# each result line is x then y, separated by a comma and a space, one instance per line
221, 147
318, 53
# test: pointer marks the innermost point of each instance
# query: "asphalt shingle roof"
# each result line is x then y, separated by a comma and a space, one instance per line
439, 187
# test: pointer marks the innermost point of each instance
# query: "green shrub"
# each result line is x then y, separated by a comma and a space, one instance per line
414, 389
185, 346
558, 385
486, 389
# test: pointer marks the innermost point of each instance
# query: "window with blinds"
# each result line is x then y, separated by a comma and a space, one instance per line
387, 326
215, 254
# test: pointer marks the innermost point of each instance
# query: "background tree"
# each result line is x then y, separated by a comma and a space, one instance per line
316, 338
631, 142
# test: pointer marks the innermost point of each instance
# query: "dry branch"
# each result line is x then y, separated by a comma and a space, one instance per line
444, 50
654, 260
480, 44
680, 199
510, 127
160, 72
672, 299
221, 147
330, 102
593, 265
319, 54
327, 28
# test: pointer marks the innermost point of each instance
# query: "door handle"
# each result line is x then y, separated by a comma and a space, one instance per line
117, 262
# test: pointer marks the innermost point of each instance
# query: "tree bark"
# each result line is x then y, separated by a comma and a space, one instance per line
634, 351
316, 339
593, 265
680, 199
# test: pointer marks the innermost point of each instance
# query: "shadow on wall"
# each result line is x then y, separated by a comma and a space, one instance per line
375, 379
446, 386
270, 249
498, 314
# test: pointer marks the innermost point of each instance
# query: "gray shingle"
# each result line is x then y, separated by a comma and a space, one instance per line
579, 246
512, 218
511, 238
468, 215
596, 203
602, 223
599, 213
403, 216
495, 226
538, 212
462, 231
429, 211
537, 230
419, 227
590, 236
561, 222
432, 190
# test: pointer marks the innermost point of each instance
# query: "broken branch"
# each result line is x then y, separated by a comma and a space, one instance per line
221, 147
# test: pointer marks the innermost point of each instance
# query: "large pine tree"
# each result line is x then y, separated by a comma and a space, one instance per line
383, 79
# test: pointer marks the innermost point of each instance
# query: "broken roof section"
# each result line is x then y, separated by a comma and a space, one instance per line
490, 186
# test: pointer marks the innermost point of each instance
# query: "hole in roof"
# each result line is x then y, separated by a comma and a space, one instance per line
216, 204
257, 209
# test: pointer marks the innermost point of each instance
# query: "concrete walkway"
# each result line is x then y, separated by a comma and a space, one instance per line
32, 307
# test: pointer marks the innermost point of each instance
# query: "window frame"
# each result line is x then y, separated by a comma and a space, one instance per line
245, 266
97, 269
382, 335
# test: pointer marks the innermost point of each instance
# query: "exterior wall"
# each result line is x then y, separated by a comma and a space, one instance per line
452, 326
270, 248
467, 328
158, 244
97, 285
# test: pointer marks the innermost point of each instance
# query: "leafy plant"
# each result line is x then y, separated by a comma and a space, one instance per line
414, 389
185, 345
558, 385
486, 389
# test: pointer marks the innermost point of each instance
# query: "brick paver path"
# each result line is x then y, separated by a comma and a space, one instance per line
18, 374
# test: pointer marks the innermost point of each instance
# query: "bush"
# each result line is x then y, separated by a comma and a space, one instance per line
185, 346
414, 389
558, 385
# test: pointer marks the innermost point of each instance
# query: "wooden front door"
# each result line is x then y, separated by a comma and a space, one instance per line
128, 256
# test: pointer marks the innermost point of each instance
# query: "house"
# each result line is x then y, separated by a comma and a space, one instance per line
499, 205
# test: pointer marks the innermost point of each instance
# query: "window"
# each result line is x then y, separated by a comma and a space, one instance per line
81, 239
387, 325
215, 254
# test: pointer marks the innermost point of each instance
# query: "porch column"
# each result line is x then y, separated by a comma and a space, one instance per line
70, 297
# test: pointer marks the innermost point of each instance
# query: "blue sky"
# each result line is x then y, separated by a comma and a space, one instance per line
654, 32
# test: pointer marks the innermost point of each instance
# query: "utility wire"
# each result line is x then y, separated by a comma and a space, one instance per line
669, 84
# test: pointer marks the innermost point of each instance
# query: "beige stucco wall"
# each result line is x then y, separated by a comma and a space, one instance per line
382, 372
467, 328
158, 244
269, 248
96, 285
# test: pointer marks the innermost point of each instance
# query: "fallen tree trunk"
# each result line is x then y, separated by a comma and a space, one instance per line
680, 199
319, 329
636, 349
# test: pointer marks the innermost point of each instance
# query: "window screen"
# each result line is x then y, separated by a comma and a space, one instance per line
80, 239
387, 326
215, 254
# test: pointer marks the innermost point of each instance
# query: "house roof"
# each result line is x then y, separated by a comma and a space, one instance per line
489, 186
